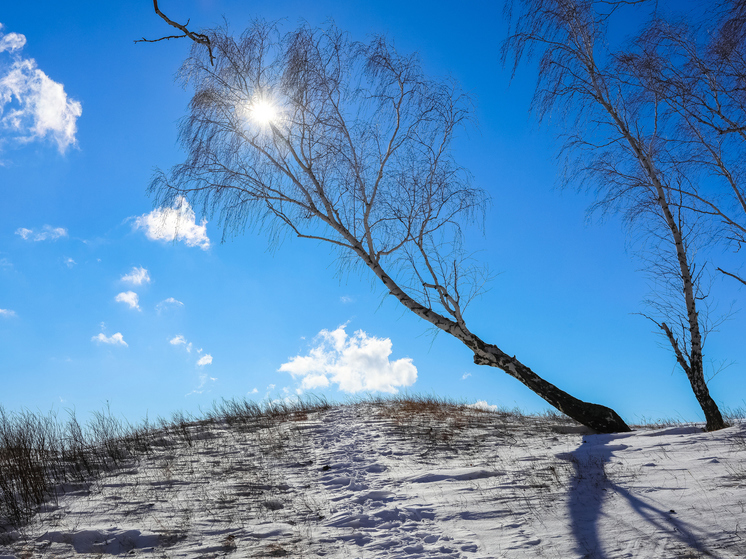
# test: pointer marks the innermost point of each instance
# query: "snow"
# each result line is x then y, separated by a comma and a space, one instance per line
372, 480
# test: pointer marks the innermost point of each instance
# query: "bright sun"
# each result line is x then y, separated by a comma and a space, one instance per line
263, 112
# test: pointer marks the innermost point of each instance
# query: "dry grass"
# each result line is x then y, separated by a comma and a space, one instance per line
242, 465
42, 457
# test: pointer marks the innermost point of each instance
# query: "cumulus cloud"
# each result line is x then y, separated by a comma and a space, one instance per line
114, 339
7, 313
32, 105
47, 233
128, 297
166, 303
177, 223
355, 363
137, 276
205, 360
483, 405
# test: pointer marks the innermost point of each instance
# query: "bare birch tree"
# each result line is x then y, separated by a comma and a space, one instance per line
619, 144
696, 75
350, 144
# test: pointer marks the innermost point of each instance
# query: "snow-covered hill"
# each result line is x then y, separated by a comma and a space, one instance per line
406, 479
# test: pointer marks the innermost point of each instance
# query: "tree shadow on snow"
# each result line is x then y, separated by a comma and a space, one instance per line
590, 488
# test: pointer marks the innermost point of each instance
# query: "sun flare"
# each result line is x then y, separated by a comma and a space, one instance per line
263, 112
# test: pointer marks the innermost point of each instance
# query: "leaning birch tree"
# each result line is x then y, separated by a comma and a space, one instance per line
618, 144
346, 143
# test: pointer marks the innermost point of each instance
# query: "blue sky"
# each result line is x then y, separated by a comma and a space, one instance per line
96, 310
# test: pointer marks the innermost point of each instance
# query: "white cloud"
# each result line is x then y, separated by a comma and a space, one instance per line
203, 378
137, 276
114, 339
255, 391
69, 262
47, 233
346, 299
32, 105
205, 360
356, 363
483, 405
177, 223
7, 313
465, 376
128, 297
181, 340
11, 42
168, 303
24, 233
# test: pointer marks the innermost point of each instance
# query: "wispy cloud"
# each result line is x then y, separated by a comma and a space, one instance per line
356, 363
177, 223
69, 262
201, 363
137, 276
346, 299
7, 313
47, 233
12, 41
181, 340
203, 378
465, 376
166, 303
114, 339
205, 360
32, 105
129, 298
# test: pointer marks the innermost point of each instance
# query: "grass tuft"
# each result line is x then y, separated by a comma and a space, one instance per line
40, 455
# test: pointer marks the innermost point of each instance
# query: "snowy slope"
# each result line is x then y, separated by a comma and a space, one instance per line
388, 480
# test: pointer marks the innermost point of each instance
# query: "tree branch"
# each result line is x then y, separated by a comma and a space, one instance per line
675, 345
196, 37
732, 275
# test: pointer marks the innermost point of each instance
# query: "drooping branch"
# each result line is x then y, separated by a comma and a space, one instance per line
200, 38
